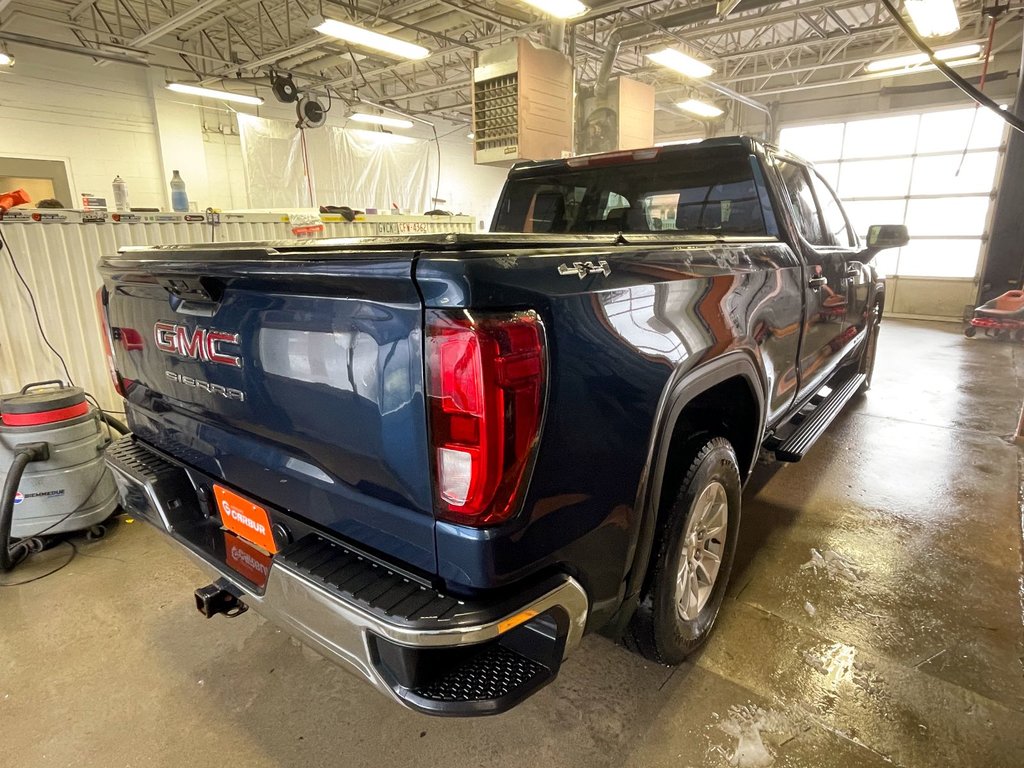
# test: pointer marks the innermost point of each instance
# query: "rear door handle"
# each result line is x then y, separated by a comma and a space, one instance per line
817, 282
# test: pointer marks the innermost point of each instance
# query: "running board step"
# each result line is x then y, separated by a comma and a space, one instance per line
796, 446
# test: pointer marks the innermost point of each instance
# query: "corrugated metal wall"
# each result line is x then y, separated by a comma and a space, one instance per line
58, 260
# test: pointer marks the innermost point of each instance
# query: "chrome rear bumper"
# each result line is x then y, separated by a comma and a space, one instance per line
348, 632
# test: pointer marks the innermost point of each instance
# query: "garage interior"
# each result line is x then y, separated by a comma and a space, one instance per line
875, 614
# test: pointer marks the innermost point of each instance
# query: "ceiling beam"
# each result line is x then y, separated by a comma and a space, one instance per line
81, 8
175, 22
213, 20
832, 14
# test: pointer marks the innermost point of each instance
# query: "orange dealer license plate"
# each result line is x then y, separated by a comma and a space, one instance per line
247, 560
248, 520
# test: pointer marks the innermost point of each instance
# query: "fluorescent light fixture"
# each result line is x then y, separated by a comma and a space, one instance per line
699, 108
933, 18
381, 137
917, 62
213, 93
390, 122
675, 59
6, 60
560, 9
365, 38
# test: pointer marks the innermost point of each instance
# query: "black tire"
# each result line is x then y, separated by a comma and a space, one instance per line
867, 355
970, 331
658, 629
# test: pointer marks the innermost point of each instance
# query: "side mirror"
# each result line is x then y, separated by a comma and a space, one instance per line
882, 236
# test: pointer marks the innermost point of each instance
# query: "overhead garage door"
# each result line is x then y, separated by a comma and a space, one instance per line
913, 169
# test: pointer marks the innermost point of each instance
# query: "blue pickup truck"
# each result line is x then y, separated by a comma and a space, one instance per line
440, 460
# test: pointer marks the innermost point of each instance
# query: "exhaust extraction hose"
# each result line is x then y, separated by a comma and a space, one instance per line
1014, 121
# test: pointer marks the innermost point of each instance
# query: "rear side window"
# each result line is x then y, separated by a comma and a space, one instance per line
688, 192
798, 187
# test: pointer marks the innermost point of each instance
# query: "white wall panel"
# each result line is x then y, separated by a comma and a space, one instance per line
58, 262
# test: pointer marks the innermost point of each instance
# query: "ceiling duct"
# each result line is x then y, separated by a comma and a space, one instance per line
556, 35
638, 29
55, 45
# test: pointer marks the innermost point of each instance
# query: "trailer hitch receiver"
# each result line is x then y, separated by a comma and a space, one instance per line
213, 599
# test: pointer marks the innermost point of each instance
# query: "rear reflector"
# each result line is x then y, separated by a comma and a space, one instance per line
486, 387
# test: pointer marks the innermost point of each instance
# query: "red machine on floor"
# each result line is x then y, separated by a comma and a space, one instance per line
1001, 317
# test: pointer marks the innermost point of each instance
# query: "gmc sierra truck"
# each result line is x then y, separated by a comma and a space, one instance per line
440, 460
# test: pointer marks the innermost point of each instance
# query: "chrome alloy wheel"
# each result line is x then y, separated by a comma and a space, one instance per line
703, 547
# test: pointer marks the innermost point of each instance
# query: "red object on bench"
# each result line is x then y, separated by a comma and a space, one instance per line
11, 199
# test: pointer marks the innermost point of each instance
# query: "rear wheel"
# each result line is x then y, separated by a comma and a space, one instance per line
694, 558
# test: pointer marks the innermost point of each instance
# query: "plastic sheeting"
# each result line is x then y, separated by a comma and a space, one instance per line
360, 169
272, 157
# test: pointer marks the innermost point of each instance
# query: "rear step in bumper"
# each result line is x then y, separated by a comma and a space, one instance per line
460, 669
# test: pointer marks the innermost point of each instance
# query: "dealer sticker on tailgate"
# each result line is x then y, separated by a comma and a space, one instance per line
248, 520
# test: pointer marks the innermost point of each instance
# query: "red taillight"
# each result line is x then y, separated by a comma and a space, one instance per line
486, 383
101, 311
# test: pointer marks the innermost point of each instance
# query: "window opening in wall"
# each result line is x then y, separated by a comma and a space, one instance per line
42, 179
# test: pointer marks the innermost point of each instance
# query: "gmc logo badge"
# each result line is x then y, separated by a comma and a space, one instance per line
198, 344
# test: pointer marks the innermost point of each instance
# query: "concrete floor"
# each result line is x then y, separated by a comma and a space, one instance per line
908, 651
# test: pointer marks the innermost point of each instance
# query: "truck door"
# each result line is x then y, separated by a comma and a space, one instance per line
825, 281
857, 275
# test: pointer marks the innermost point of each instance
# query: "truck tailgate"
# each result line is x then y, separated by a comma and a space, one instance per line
296, 378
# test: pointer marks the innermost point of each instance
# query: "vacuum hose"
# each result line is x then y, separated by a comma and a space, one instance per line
25, 455
116, 424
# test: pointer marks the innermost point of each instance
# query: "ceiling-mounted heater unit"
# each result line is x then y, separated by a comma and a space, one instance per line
621, 118
522, 104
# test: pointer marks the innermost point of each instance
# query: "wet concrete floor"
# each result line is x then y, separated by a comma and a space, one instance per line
900, 643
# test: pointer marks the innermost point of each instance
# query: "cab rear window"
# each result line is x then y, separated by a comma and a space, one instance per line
698, 191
